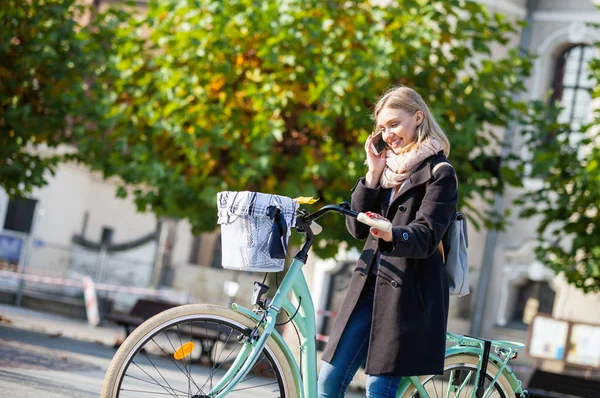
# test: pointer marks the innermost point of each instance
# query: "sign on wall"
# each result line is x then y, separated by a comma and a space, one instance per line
10, 248
574, 343
548, 338
584, 345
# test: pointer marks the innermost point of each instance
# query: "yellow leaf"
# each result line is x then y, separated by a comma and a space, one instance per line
306, 200
184, 351
239, 60
217, 83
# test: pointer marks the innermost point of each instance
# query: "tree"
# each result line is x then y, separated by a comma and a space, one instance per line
46, 94
567, 165
205, 96
276, 97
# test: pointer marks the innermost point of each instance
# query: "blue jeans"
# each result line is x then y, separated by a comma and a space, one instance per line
351, 353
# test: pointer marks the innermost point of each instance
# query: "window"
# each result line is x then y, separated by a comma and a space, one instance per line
107, 236
216, 258
532, 298
572, 84
195, 250
206, 250
19, 215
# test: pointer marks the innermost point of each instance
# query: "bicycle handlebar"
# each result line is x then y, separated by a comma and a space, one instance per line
344, 208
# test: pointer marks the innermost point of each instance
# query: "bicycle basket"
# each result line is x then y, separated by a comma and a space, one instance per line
255, 228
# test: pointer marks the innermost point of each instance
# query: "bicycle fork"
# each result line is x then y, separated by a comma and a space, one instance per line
248, 355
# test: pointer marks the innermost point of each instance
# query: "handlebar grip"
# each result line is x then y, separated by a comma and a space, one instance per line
383, 225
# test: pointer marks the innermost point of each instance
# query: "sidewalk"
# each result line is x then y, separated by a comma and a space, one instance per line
60, 326
56, 325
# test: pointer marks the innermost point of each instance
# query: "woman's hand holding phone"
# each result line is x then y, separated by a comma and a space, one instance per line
376, 163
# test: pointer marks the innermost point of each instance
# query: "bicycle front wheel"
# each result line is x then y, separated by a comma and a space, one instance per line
458, 380
185, 351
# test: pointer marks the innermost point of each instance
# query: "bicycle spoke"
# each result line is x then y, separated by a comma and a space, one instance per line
149, 392
255, 375
247, 388
218, 368
176, 364
471, 391
162, 367
147, 381
457, 381
181, 345
209, 357
188, 373
464, 383
442, 386
224, 345
189, 385
157, 383
157, 371
174, 350
435, 388
450, 384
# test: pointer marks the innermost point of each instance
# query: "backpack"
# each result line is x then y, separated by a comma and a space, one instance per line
456, 242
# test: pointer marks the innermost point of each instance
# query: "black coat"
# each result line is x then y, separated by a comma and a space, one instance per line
410, 310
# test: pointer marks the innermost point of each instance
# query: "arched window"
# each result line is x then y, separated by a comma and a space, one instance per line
572, 84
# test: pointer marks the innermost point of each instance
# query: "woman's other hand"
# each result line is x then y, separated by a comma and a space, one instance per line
376, 163
386, 236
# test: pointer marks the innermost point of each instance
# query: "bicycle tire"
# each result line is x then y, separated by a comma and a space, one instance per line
191, 313
469, 362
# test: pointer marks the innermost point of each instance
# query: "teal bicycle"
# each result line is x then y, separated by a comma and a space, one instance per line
201, 350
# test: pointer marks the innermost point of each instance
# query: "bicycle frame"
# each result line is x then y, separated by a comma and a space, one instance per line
295, 282
304, 320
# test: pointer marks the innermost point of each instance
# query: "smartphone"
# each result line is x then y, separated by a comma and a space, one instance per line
378, 145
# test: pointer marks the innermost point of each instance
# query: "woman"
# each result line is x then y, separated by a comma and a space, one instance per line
395, 312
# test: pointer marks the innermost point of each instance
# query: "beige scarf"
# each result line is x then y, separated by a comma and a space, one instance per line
399, 167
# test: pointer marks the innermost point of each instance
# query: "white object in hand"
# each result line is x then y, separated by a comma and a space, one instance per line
379, 223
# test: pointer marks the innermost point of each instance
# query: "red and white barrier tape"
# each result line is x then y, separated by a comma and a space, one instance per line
91, 301
41, 279
99, 286
322, 337
331, 314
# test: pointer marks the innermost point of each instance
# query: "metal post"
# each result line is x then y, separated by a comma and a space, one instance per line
26, 254
159, 253
101, 264
490, 242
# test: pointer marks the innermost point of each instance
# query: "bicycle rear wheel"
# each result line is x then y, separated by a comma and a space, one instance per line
458, 380
206, 341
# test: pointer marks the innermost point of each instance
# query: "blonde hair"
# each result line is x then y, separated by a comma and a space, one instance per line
410, 101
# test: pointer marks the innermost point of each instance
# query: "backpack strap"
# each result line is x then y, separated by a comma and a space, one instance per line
436, 168
440, 164
440, 246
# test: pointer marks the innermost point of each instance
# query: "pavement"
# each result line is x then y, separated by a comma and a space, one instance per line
57, 326
24, 328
